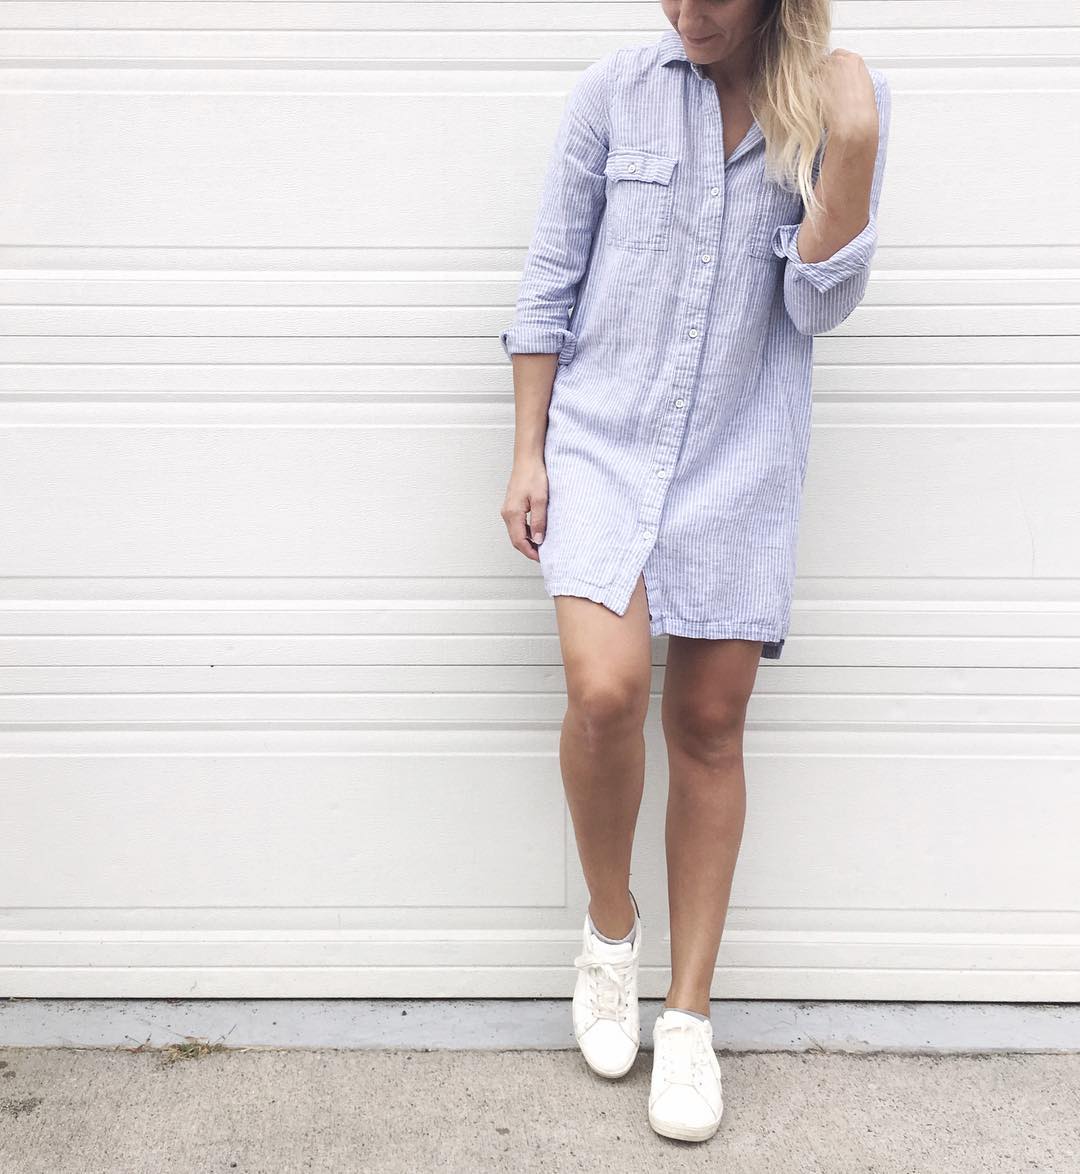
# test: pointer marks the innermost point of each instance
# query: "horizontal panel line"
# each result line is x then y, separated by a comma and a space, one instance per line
450, 636
891, 755
884, 249
249, 63
494, 5
102, 336
127, 970
997, 937
495, 936
458, 276
453, 307
474, 426
809, 604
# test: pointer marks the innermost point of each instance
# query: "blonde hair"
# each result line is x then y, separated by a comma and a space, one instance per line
785, 96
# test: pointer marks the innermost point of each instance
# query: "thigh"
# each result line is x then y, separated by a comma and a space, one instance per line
600, 647
709, 681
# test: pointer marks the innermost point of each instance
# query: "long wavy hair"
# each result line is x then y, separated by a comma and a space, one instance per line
792, 45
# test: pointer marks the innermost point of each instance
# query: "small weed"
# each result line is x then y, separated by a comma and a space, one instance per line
192, 1048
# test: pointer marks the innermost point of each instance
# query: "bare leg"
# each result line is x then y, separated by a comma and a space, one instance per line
608, 663
707, 685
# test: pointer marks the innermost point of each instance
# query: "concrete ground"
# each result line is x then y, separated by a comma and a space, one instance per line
199, 1105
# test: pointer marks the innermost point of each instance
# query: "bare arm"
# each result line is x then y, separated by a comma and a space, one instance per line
526, 493
829, 257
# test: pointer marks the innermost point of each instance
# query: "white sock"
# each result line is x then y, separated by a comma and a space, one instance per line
685, 1011
613, 941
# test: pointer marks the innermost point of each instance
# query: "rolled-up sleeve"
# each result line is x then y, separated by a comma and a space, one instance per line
571, 204
819, 295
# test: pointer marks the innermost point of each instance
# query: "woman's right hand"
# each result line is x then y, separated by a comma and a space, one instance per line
527, 493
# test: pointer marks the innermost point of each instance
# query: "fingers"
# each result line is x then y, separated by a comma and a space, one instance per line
538, 519
515, 527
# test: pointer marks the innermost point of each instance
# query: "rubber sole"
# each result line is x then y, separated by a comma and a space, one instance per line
683, 1132
600, 1071
610, 1075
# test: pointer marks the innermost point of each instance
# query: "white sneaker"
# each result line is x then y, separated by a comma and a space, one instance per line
686, 1096
606, 1022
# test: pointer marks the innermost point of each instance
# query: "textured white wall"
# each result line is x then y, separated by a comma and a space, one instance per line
279, 703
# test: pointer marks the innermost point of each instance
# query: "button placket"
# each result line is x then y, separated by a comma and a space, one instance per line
700, 283
700, 289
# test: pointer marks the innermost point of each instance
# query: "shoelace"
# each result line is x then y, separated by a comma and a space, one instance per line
608, 986
680, 1051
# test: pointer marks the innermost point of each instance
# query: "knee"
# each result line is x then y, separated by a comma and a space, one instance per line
708, 730
608, 707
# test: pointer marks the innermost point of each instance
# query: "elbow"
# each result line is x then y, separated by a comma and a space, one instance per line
539, 338
802, 318
811, 320
817, 311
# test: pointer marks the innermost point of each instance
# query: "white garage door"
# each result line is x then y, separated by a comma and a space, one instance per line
280, 703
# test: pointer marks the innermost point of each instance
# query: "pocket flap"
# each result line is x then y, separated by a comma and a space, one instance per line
626, 163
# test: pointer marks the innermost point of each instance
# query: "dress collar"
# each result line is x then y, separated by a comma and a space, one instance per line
672, 49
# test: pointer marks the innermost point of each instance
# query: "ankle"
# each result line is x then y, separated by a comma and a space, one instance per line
615, 925
689, 1003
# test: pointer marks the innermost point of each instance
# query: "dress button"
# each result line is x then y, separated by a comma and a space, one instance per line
706, 257
714, 192
692, 332
679, 403
646, 534
661, 472
631, 167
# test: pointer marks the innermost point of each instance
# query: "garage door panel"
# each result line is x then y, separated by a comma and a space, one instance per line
280, 706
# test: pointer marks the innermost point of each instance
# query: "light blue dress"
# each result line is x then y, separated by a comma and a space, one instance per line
669, 283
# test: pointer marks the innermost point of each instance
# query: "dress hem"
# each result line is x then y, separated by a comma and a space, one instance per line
772, 644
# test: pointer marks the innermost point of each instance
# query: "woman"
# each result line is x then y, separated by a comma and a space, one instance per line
710, 205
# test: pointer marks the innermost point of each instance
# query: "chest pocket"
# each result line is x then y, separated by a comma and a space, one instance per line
772, 206
775, 206
640, 199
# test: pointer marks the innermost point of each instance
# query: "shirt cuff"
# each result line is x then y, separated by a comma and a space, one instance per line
848, 260
539, 340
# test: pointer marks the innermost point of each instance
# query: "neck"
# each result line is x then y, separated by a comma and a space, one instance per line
733, 73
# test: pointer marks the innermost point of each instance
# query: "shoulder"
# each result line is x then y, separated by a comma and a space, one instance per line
589, 100
882, 99
595, 87
631, 63
881, 84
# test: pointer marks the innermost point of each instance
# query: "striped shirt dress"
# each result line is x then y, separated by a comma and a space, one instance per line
668, 281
